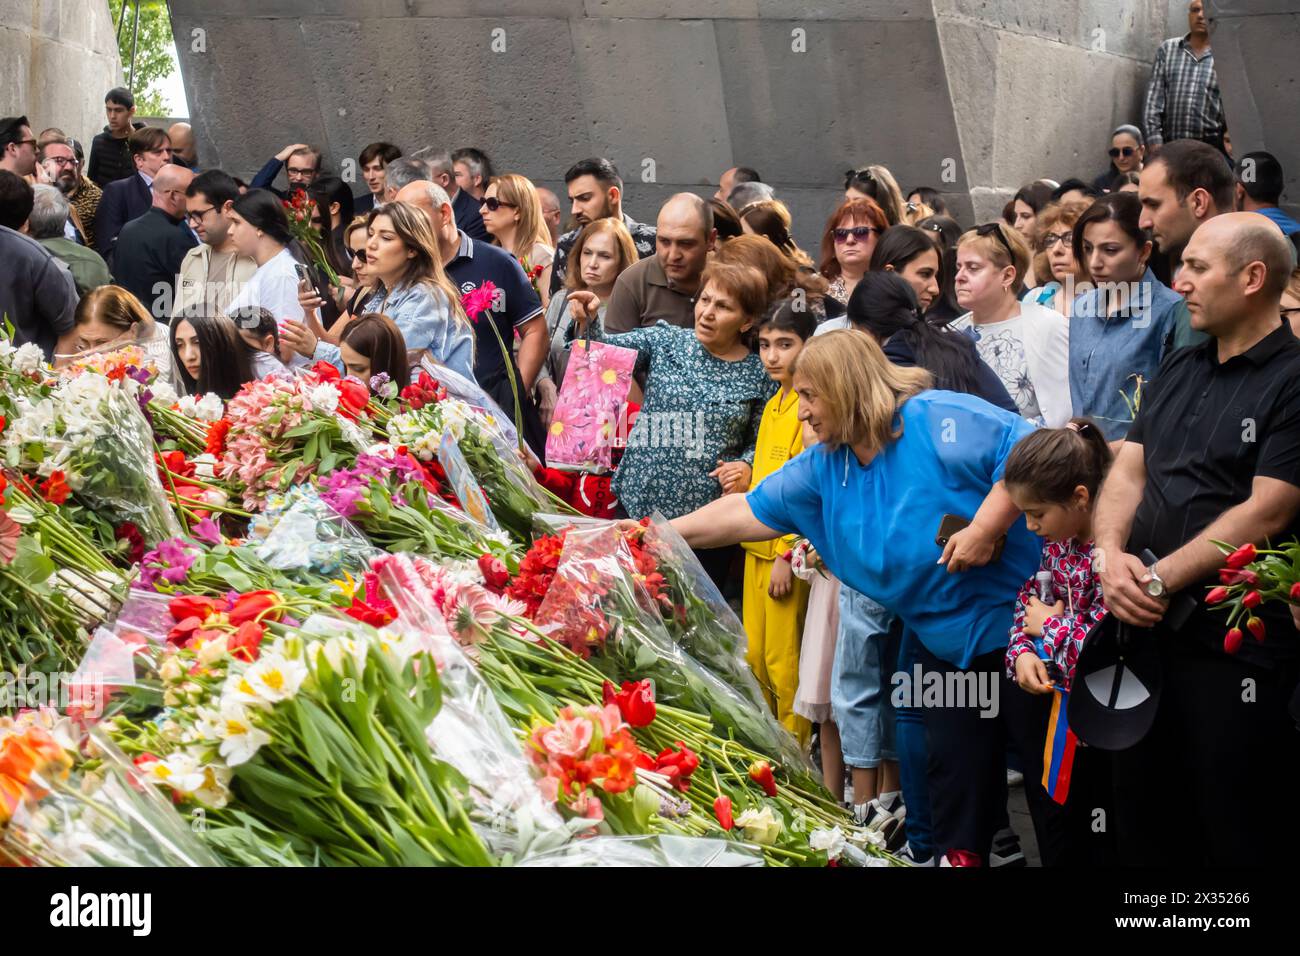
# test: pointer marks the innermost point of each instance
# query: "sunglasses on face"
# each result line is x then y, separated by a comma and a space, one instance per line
859, 233
359, 255
993, 229
493, 204
1126, 151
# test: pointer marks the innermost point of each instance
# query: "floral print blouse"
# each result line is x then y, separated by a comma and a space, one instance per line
698, 410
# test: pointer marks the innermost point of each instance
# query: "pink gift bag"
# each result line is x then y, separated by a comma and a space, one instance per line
584, 427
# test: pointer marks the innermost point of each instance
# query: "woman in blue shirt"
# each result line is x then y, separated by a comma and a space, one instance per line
895, 458
403, 262
1118, 329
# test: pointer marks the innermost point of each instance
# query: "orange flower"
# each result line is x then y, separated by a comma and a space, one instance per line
33, 752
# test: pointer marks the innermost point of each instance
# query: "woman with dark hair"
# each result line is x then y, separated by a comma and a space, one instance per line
1118, 329
1026, 203
1128, 150
914, 256
259, 228
332, 212
209, 356
884, 306
1125, 183
725, 221
945, 232
929, 196
877, 184
373, 345
261, 335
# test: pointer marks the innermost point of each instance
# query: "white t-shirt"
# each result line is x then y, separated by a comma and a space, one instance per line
274, 286
1030, 353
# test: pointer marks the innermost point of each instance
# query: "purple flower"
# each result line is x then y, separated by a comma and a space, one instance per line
141, 375
379, 381
207, 531
344, 489
170, 561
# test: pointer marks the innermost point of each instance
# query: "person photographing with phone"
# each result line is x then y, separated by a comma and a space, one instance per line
895, 456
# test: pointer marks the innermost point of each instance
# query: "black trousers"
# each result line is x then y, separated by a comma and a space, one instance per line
1214, 782
967, 768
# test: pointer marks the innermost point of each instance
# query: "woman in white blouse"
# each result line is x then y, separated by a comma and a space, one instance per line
259, 228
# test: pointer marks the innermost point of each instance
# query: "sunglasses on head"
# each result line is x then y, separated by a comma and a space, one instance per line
859, 233
1126, 151
994, 229
493, 204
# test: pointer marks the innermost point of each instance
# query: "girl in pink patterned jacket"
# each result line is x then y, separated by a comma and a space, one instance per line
1053, 475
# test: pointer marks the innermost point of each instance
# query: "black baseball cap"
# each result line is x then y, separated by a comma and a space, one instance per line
1117, 682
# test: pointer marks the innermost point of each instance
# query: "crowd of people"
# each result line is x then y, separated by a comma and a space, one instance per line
924, 447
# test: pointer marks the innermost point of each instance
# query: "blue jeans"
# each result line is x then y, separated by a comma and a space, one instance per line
913, 757
860, 681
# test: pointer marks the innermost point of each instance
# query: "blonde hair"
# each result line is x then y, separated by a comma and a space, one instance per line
623, 243
358, 223
531, 228
995, 252
859, 387
914, 212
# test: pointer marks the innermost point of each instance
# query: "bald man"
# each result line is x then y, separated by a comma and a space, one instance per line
1214, 455
150, 249
184, 152
663, 287
550, 212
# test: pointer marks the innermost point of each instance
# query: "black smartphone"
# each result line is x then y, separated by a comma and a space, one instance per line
951, 524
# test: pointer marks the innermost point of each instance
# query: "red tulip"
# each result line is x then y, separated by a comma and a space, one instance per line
495, 574
353, 397
244, 643
636, 701
191, 605
256, 606
1252, 599
1241, 557
760, 771
722, 810
677, 765
1295, 591
1232, 641
1256, 627
326, 372
1229, 576
55, 488
1216, 596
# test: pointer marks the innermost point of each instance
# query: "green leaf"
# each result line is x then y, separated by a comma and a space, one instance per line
30, 563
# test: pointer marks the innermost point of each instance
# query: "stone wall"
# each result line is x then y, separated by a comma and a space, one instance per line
57, 60
1255, 49
975, 97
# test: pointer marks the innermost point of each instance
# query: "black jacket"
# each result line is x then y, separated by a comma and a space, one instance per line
149, 254
122, 201
110, 158
468, 219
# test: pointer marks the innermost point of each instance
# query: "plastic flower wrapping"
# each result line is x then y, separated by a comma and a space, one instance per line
281, 636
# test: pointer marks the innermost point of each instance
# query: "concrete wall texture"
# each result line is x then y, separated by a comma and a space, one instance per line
57, 60
675, 91
1255, 58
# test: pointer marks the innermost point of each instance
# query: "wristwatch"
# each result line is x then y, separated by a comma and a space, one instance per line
1156, 586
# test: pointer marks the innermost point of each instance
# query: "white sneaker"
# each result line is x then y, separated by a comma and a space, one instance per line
905, 854
1015, 778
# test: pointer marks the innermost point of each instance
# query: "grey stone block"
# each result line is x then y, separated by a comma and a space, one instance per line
282, 9
1128, 27
864, 92
614, 57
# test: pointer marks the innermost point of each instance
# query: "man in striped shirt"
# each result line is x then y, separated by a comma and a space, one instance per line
1183, 99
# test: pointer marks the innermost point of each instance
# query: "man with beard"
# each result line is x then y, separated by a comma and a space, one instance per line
213, 272
63, 169
596, 192
1186, 184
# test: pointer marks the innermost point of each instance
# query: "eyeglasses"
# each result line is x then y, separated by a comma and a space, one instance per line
24, 142
1052, 238
859, 233
1125, 151
61, 160
300, 173
198, 214
493, 204
994, 229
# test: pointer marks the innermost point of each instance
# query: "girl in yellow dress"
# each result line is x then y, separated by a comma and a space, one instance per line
775, 600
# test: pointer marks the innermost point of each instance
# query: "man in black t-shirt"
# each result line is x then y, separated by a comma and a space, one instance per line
1214, 455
